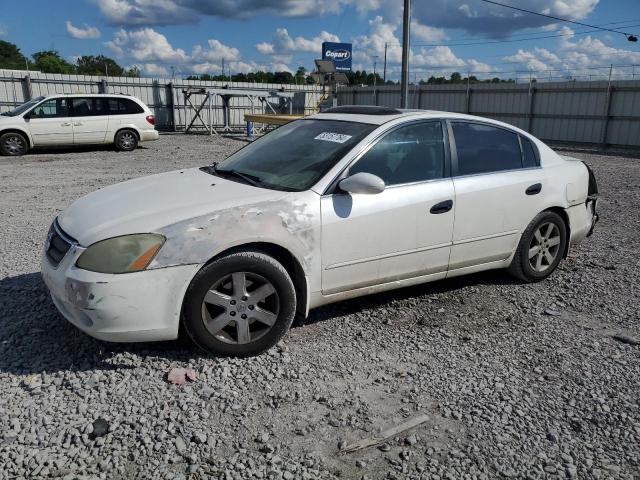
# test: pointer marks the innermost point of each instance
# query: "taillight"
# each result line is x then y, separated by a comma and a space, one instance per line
151, 119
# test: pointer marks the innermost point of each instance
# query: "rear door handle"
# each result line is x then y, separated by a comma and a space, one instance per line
79, 124
534, 189
442, 207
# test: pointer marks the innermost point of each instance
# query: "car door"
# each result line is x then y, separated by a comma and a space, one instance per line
370, 239
497, 192
50, 123
90, 119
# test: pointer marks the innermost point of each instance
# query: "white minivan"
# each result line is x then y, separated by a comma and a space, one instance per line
79, 119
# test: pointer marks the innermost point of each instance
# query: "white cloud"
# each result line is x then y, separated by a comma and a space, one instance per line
425, 33
585, 56
216, 51
3, 30
425, 60
82, 33
282, 42
145, 45
153, 69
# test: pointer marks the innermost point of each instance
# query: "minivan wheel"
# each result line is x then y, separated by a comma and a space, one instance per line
126, 140
13, 144
541, 248
239, 305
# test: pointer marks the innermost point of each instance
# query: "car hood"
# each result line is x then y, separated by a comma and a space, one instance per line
148, 204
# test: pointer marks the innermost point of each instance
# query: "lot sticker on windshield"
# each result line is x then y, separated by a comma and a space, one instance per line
333, 137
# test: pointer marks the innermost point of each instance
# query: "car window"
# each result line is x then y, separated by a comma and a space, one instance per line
412, 153
529, 157
483, 148
88, 107
123, 106
296, 155
54, 108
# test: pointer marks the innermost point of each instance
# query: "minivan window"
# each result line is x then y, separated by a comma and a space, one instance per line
412, 153
54, 108
88, 106
296, 155
123, 106
482, 148
529, 157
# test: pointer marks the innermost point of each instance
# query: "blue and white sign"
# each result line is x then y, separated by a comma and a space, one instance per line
340, 53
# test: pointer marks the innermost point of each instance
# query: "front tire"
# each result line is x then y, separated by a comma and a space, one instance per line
240, 305
126, 140
541, 248
13, 144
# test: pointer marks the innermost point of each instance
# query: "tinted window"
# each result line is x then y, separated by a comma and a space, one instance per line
482, 148
54, 108
88, 106
413, 153
123, 106
529, 157
296, 155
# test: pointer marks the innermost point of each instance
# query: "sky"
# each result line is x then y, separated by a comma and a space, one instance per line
183, 37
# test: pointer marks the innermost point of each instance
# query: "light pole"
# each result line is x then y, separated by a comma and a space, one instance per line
384, 73
404, 83
375, 61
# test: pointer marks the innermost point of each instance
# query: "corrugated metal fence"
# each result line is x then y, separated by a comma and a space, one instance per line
163, 96
600, 113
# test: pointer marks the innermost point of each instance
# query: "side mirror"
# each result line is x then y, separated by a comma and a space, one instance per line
362, 182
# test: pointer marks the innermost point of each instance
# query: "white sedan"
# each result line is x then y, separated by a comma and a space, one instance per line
346, 203
78, 119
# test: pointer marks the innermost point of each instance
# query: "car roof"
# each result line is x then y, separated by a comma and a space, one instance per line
116, 95
382, 115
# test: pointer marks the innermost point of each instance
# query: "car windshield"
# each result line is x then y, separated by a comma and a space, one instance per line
295, 156
23, 108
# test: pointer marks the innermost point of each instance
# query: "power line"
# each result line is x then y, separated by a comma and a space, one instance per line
630, 37
490, 42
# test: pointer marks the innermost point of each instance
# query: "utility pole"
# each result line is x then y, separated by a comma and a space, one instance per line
404, 83
375, 61
223, 69
384, 74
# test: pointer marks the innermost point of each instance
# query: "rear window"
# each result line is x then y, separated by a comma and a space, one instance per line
123, 106
483, 148
529, 157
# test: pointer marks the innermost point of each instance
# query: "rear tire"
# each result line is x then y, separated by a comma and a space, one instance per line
541, 248
13, 144
126, 140
240, 305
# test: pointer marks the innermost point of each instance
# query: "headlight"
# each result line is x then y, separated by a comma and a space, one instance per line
129, 253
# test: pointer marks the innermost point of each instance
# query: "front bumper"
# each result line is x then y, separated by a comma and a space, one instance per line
132, 307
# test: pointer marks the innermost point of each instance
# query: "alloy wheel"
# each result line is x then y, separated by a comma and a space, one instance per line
127, 140
544, 247
14, 145
240, 308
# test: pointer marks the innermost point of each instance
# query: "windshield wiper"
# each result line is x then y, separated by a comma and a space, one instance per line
250, 179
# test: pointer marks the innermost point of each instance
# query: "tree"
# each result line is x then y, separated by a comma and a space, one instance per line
11, 57
98, 65
50, 61
300, 75
133, 72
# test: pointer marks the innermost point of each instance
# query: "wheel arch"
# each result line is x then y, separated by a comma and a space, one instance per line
19, 131
565, 218
288, 260
126, 127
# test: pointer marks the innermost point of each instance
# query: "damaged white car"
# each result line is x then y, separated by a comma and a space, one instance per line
345, 203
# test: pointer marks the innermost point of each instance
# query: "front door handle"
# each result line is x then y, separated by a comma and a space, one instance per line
534, 189
442, 207
65, 124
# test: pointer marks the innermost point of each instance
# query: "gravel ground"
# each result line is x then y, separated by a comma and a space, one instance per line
521, 381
